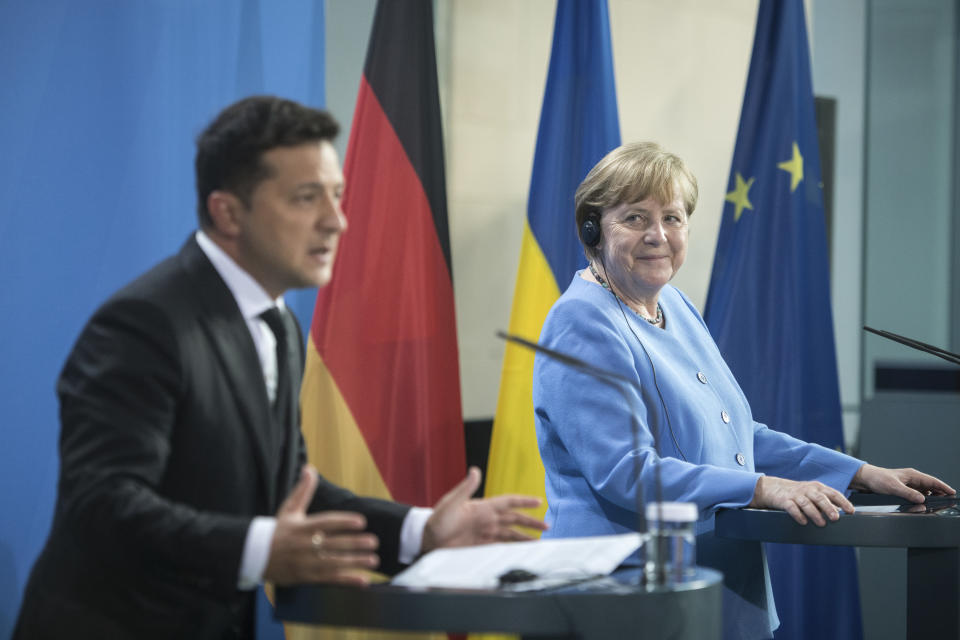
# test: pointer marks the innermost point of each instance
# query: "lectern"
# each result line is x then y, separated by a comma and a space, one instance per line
599, 609
930, 533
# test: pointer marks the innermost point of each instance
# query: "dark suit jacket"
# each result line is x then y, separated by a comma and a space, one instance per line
168, 450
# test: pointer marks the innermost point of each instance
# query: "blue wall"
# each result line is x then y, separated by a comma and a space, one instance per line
101, 101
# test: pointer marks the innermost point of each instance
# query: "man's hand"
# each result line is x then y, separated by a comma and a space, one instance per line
909, 484
802, 500
325, 547
458, 521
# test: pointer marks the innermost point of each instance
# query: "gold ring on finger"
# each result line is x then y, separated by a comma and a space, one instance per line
316, 540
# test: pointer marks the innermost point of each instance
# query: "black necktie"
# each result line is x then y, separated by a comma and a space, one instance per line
274, 319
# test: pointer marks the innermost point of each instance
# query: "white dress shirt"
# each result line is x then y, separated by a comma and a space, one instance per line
254, 300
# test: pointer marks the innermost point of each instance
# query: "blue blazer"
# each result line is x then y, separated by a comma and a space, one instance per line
691, 422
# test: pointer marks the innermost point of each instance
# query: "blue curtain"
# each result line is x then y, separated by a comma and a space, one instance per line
101, 102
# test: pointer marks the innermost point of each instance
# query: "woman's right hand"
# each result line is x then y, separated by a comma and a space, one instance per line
802, 500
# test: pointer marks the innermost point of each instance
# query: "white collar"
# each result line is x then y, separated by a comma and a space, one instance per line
252, 298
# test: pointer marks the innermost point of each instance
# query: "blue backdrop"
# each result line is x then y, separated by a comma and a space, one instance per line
101, 102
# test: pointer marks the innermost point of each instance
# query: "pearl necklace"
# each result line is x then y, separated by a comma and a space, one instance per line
603, 283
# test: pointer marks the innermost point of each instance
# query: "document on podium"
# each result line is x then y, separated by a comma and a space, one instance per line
521, 565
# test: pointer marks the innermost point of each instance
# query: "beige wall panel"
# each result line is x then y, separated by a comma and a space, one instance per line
680, 67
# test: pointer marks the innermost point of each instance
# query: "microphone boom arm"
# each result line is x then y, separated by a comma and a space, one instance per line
916, 344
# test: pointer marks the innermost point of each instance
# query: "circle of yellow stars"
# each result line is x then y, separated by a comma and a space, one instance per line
740, 196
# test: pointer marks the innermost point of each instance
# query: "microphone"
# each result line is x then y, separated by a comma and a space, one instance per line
622, 384
576, 363
916, 344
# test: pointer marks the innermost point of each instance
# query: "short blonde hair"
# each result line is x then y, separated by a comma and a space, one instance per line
632, 173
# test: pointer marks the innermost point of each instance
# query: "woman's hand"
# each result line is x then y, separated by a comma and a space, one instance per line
908, 483
802, 500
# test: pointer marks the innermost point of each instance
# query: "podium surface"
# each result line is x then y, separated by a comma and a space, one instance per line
612, 607
930, 533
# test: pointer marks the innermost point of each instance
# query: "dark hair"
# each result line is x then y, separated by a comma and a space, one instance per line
230, 149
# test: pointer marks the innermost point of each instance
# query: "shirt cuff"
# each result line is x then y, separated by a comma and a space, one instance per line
411, 533
256, 552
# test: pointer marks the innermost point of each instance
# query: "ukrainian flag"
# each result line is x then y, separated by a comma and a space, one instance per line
578, 126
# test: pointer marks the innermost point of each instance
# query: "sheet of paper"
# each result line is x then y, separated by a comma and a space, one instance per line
551, 561
880, 508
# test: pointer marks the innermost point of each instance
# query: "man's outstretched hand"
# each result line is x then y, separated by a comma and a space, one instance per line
459, 521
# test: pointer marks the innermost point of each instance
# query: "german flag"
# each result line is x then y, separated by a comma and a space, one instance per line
381, 391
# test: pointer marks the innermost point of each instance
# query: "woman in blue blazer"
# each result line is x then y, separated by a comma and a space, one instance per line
693, 422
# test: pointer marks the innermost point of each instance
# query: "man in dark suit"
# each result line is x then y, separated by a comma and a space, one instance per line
182, 481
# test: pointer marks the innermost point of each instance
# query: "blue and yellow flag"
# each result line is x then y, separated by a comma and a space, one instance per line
578, 126
768, 306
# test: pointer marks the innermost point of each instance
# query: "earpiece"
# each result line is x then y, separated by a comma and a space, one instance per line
590, 230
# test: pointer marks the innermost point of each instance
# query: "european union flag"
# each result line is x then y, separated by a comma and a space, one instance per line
768, 306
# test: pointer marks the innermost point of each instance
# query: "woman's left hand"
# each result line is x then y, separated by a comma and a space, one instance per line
908, 483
